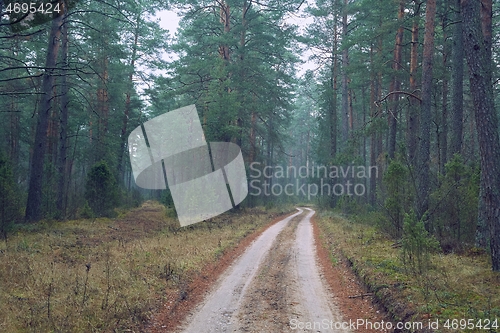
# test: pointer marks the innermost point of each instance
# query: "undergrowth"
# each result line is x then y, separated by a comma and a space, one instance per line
108, 275
436, 286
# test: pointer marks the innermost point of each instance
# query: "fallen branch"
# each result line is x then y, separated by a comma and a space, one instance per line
361, 295
397, 245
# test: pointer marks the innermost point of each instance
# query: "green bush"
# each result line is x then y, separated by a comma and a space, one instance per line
101, 191
398, 197
454, 205
417, 245
86, 212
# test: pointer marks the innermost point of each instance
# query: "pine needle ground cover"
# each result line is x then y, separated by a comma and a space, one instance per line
109, 275
452, 287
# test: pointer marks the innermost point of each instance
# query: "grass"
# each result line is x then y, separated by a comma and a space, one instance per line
455, 287
108, 275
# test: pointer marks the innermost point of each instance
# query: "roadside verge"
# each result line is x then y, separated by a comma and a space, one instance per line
455, 292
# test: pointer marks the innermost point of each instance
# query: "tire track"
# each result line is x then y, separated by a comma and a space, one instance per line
215, 314
275, 286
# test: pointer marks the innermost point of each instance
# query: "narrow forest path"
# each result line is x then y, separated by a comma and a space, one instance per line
275, 286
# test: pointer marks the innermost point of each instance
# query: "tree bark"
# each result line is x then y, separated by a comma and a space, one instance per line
443, 133
332, 106
482, 232
396, 83
457, 93
63, 129
225, 20
128, 102
425, 113
478, 55
33, 205
373, 134
413, 118
345, 79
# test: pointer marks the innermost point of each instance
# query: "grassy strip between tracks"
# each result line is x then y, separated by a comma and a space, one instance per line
454, 288
108, 275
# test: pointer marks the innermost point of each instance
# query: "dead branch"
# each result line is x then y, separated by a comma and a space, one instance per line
377, 103
361, 295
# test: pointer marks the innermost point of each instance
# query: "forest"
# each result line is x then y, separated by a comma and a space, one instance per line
406, 88
379, 115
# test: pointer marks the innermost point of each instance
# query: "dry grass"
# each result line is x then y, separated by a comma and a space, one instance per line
107, 275
456, 287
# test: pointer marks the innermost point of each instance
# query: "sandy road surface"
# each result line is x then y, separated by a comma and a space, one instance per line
275, 286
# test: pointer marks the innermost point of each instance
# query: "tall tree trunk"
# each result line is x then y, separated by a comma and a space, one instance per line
373, 136
478, 55
443, 133
252, 154
128, 102
102, 107
333, 109
63, 128
345, 79
413, 117
425, 113
457, 90
33, 205
332, 112
482, 231
364, 150
243, 112
396, 83
13, 138
225, 20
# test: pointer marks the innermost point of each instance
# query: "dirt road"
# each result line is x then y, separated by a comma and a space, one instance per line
275, 286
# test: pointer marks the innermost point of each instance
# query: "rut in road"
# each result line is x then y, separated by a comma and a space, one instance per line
275, 286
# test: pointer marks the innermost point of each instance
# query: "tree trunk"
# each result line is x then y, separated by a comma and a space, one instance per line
13, 138
482, 232
128, 102
373, 136
396, 83
413, 119
332, 112
225, 20
478, 55
425, 113
102, 108
252, 154
457, 93
333, 109
345, 79
63, 128
443, 133
33, 205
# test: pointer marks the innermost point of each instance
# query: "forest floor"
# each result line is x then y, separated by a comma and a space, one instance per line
111, 275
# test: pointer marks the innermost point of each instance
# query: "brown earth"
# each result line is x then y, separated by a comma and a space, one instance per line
269, 302
352, 297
